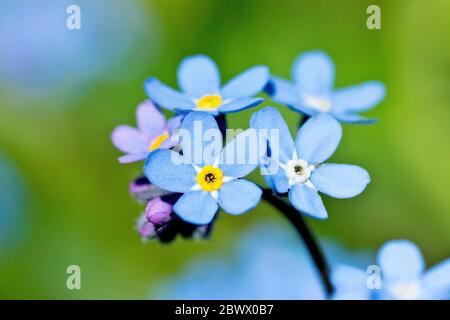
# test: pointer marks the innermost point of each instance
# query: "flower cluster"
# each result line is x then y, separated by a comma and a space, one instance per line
183, 184
190, 172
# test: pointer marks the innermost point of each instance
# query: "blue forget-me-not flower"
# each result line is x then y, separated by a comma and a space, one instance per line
205, 183
199, 81
403, 276
268, 262
311, 91
299, 163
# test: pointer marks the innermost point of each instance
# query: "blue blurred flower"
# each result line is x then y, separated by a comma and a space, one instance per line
299, 164
41, 57
312, 92
205, 183
269, 262
403, 276
199, 81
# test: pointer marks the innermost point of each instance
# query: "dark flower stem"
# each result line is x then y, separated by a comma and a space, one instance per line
308, 238
295, 218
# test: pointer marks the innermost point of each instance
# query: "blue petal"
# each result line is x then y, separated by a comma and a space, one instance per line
307, 201
358, 98
283, 91
166, 97
280, 181
437, 280
246, 84
197, 207
200, 138
198, 76
400, 260
340, 180
239, 196
313, 73
270, 119
318, 138
353, 118
239, 104
165, 169
242, 154
350, 283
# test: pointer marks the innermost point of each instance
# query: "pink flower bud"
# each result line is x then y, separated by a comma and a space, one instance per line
146, 229
158, 211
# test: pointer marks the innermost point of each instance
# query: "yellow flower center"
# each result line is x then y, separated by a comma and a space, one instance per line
210, 178
209, 102
156, 143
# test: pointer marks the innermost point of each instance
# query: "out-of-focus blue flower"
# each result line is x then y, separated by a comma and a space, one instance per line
206, 182
152, 133
403, 276
300, 169
312, 91
270, 262
12, 206
41, 57
199, 81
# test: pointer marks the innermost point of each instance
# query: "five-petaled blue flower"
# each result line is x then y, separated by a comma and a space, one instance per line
312, 92
300, 169
206, 183
199, 81
403, 276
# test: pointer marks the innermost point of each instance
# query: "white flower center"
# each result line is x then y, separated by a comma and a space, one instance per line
319, 103
297, 171
406, 290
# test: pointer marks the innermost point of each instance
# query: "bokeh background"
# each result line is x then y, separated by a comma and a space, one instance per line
64, 197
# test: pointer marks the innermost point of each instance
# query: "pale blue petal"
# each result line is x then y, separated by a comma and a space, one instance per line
340, 180
350, 283
400, 259
280, 181
358, 98
307, 201
166, 97
198, 76
246, 84
242, 154
277, 132
197, 207
282, 91
318, 138
353, 118
174, 123
313, 73
200, 138
277, 179
239, 104
238, 196
437, 280
165, 169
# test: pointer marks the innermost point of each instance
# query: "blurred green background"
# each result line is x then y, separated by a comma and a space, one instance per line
76, 206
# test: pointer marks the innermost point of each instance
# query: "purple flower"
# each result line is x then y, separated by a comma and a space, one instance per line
152, 132
158, 211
